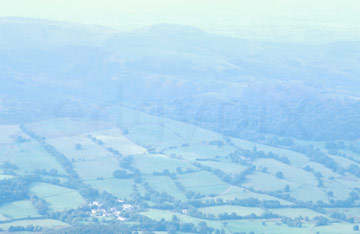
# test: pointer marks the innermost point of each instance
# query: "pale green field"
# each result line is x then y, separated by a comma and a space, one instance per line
267, 182
309, 193
349, 181
203, 151
65, 127
231, 226
89, 151
269, 227
203, 182
115, 139
325, 172
239, 210
147, 130
121, 188
165, 184
350, 154
3, 217
349, 212
29, 156
192, 135
18, 210
100, 167
161, 133
341, 192
296, 212
291, 173
167, 215
227, 167
242, 193
342, 161
157, 136
131, 117
61, 179
59, 198
295, 158
9, 133
316, 144
46, 223
149, 163
336, 228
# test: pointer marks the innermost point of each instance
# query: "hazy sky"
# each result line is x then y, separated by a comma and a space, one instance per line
247, 18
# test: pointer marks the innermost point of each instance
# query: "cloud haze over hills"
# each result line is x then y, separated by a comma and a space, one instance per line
275, 20
174, 64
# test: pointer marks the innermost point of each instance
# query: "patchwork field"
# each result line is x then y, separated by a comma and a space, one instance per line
295, 158
45, 223
290, 173
239, 210
296, 212
149, 163
168, 215
267, 182
265, 226
65, 127
309, 193
9, 134
203, 182
349, 212
325, 172
115, 139
165, 184
157, 158
193, 152
229, 168
235, 192
88, 149
122, 188
28, 157
18, 210
340, 191
96, 168
336, 228
155, 136
59, 198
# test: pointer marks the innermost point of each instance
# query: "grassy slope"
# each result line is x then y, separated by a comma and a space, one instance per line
59, 198
18, 210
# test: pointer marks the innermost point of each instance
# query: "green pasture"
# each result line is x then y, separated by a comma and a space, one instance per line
28, 157
59, 198
204, 183
96, 168
18, 210
149, 163
164, 184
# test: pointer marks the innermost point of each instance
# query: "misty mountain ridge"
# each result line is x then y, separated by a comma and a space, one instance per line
182, 67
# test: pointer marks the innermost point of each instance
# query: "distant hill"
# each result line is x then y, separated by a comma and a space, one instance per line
180, 67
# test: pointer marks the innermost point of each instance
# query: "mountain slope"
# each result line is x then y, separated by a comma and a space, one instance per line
182, 68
